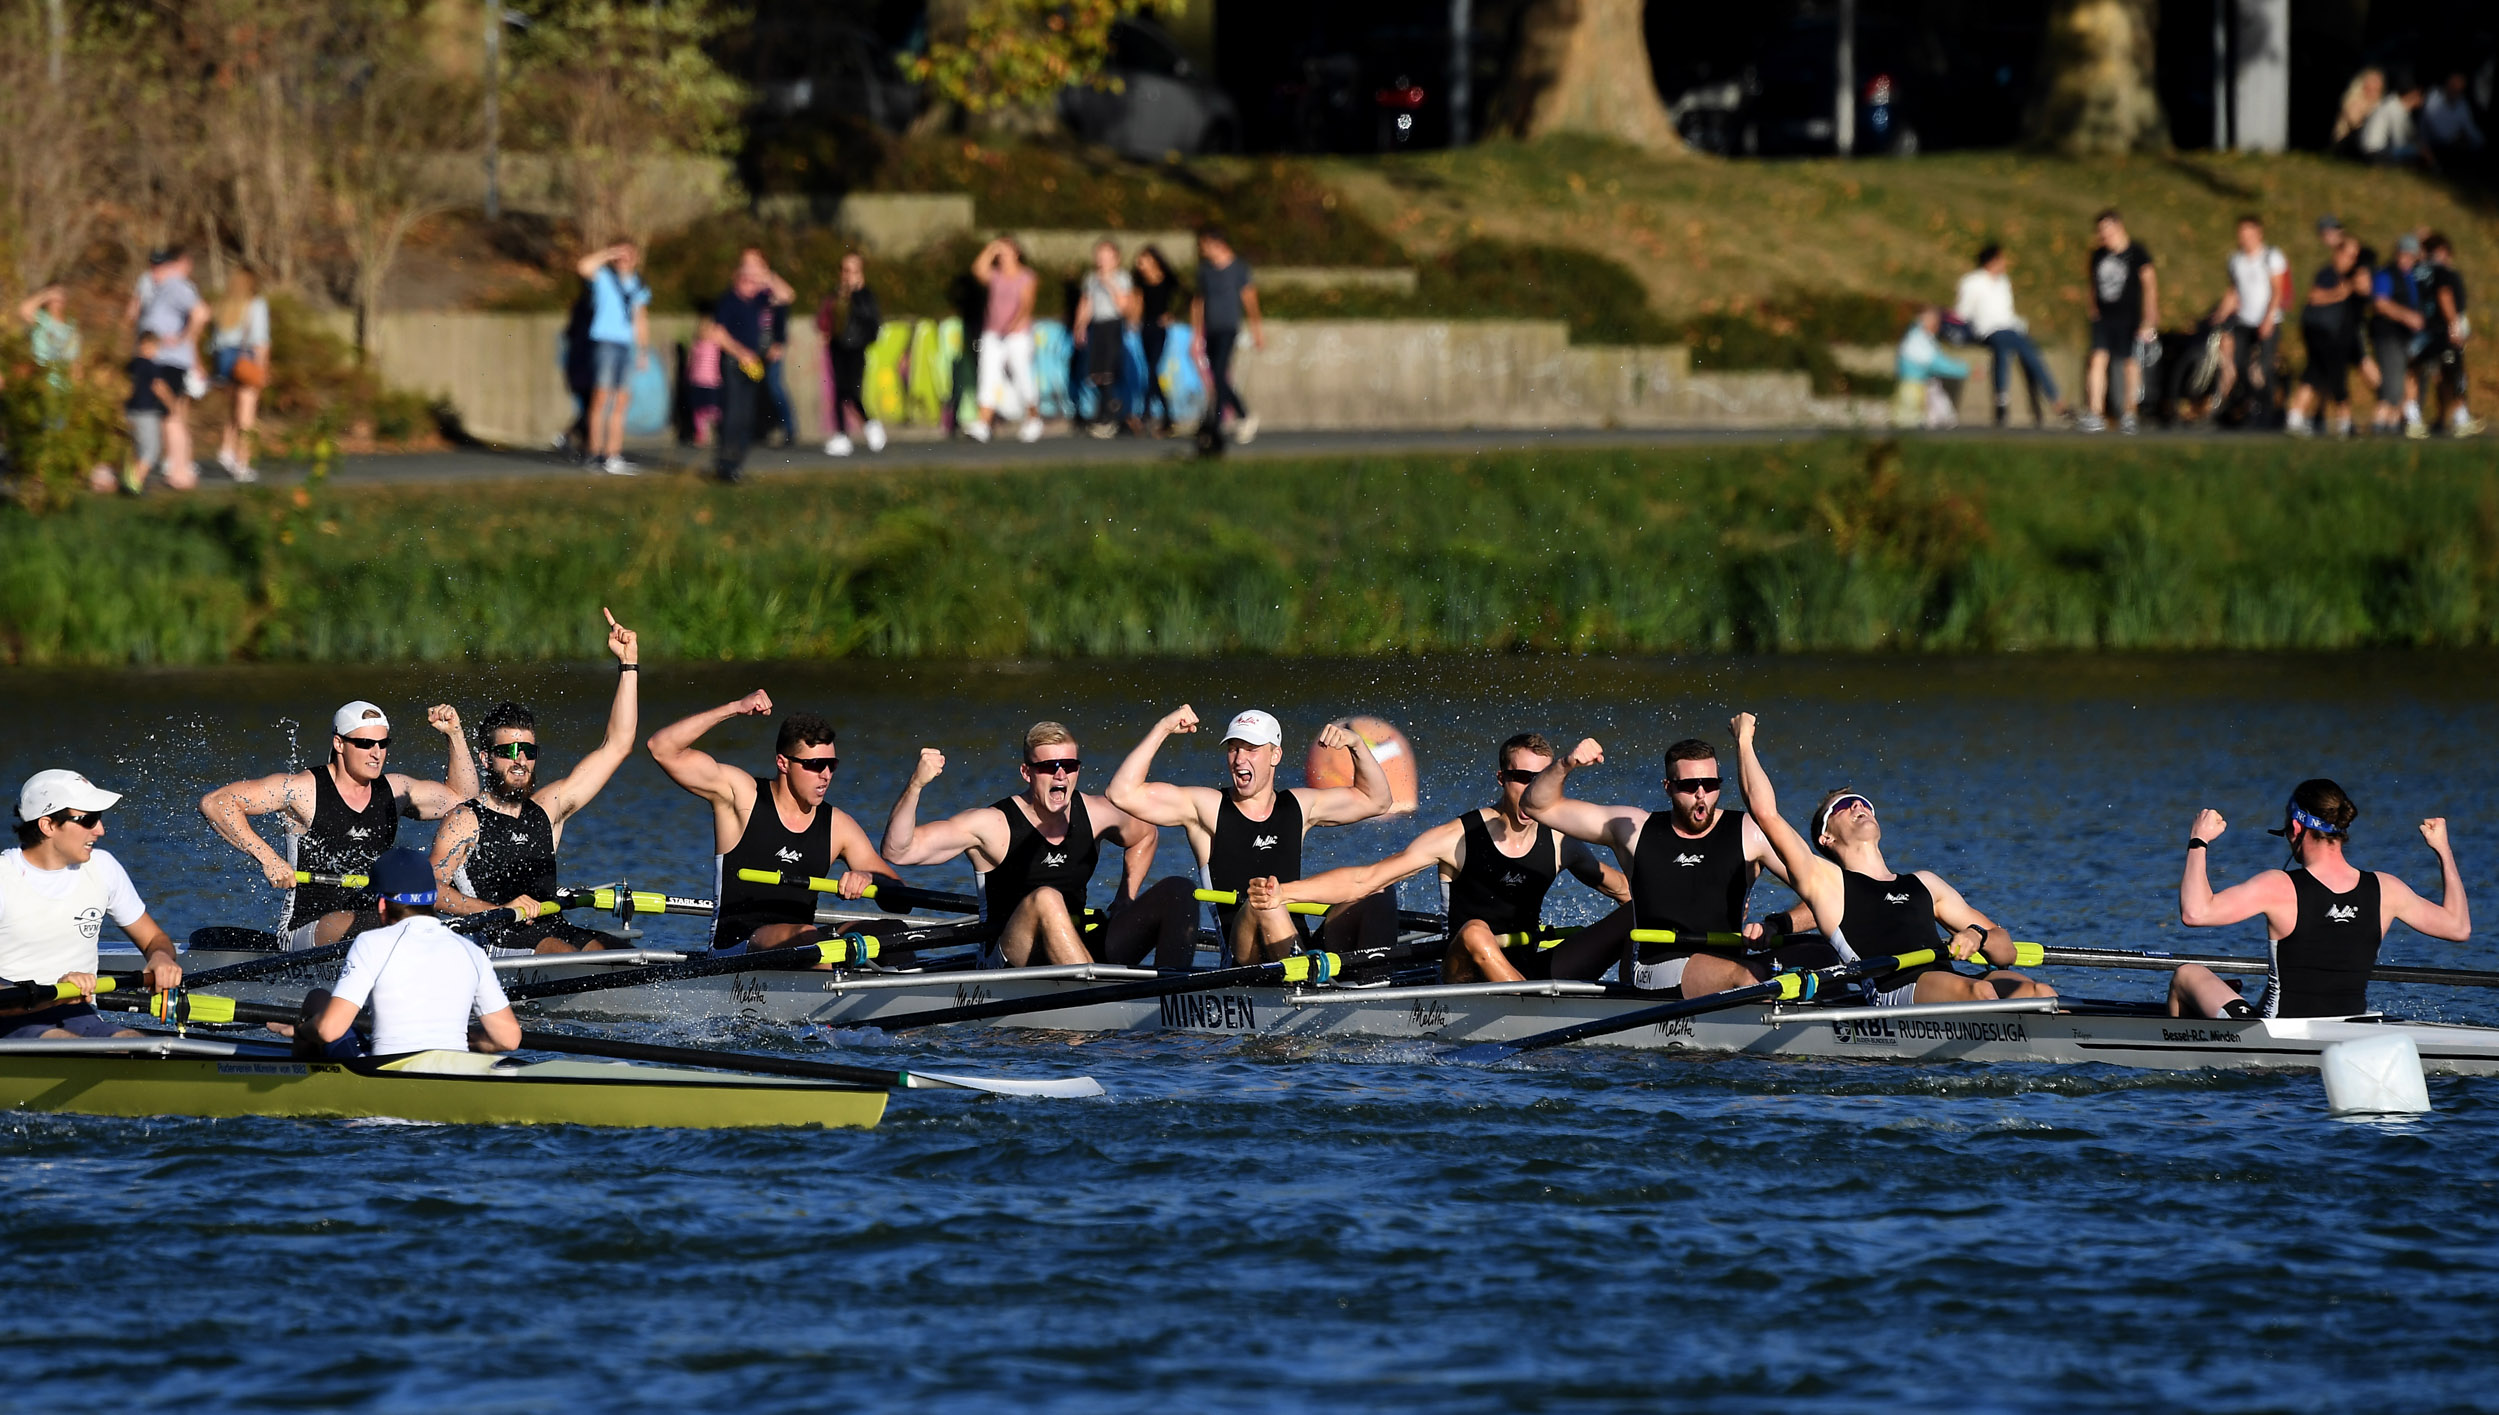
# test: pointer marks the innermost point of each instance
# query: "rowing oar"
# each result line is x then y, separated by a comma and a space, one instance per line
1406, 918
2163, 962
849, 948
893, 898
1786, 987
1300, 968
643, 901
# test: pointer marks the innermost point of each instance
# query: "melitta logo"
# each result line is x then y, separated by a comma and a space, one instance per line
520, 837
358, 833
1895, 898
2343, 913
1263, 842
786, 855
1053, 860
1687, 860
1512, 879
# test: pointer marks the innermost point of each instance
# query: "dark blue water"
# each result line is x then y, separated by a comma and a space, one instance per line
1263, 1226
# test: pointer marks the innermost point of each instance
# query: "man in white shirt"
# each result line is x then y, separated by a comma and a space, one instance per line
2389, 137
56, 888
422, 981
1985, 303
2250, 313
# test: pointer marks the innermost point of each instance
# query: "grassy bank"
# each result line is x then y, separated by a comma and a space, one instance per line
1965, 545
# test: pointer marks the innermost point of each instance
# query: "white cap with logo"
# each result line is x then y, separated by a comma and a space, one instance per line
358, 714
58, 790
1256, 728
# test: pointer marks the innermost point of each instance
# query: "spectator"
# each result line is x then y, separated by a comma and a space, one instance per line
849, 323
2390, 138
2325, 332
620, 339
1006, 355
1922, 400
2398, 331
239, 354
1227, 293
2449, 329
2359, 300
2250, 315
167, 305
1984, 302
702, 378
1109, 301
2447, 124
2361, 98
50, 336
151, 395
740, 326
2125, 302
776, 350
1157, 291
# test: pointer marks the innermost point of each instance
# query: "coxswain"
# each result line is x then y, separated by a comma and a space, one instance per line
1867, 910
56, 888
2324, 916
1037, 850
498, 851
339, 818
780, 823
1692, 877
422, 981
1495, 868
1250, 829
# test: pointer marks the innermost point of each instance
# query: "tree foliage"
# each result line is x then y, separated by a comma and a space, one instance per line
986, 56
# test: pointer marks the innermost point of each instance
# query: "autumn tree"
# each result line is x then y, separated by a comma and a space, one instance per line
2096, 93
1583, 67
992, 57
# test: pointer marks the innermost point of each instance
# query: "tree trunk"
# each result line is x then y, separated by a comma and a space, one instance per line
2095, 92
1583, 67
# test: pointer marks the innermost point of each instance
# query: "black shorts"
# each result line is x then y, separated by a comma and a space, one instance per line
2114, 337
77, 1018
2329, 360
523, 935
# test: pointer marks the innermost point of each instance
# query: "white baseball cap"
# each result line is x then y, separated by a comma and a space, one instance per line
1256, 728
60, 790
358, 714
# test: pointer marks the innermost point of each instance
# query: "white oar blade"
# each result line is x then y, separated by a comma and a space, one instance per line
1069, 1088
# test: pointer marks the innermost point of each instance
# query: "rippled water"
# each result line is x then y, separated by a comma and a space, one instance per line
1264, 1225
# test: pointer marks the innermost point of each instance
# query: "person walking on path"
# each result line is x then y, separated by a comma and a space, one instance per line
2398, 331
1984, 302
167, 305
151, 394
1103, 311
239, 353
1006, 356
776, 350
1227, 294
2250, 314
2126, 314
620, 337
740, 327
2450, 328
850, 322
2325, 332
50, 336
1158, 290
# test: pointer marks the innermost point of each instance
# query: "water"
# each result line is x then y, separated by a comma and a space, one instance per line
1264, 1226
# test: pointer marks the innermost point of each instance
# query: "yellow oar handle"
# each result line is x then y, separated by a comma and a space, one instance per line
196, 1007
2025, 955
838, 950
1233, 896
68, 992
342, 881
1706, 940
1307, 967
817, 883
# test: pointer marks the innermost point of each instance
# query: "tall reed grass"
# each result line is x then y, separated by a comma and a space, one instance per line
1974, 546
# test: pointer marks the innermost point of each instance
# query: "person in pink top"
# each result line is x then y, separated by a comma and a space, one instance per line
1006, 357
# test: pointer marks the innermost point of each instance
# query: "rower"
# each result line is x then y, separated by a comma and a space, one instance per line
1037, 850
1495, 867
1691, 878
1250, 829
498, 851
780, 823
56, 887
339, 818
422, 981
1869, 911
2326, 918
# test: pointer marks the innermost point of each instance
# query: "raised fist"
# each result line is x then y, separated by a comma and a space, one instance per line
443, 718
1589, 752
2434, 831
1180, 719
621, 640
755, 704
2208, 825
932, 764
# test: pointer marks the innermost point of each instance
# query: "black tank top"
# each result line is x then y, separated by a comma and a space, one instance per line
1244, 849
1032, 862
340, 841
1690, 886
2321, 967
510, 855
1888, 916
1507, 893
766, 844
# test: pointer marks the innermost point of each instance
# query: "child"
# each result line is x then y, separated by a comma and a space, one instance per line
1923, 368
702, 376
150, 398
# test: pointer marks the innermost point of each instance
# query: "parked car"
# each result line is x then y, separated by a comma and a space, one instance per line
1161, 103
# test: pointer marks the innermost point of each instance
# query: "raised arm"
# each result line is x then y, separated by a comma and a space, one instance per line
560, 799
1435, 847
1584, 864
695, 769
1343, 805
1816, 880
230, 807
907, 842
588, 266
1156, 802
432, 800
1615, 826
2199, 907
2449, 918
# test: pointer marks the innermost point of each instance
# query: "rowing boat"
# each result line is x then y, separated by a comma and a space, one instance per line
210, 1077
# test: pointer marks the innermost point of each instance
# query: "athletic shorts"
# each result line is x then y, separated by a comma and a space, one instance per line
515, 936
76, 1018
2394, 354
302, 937
2114, 337
2329, 360
611, 365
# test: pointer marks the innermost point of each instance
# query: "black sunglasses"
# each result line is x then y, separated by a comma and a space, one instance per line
514, 751
89, 820
822, 764
1694, 785
1521, 775
370, 744
1056, 765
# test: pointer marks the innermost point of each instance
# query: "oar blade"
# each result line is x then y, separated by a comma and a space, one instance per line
1057, 1088
1482, 1054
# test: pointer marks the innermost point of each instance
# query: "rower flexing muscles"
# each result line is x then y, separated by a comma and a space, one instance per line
1869, 911
1250, 829
2326, 918
422, 981
1036, 851
1495, 867
339, 818
781, 823
56, 889
499, 850
1691, 869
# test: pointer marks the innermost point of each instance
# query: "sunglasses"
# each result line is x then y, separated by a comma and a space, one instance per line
1520, 775
370, 744
1057, 766
1843, 803
1693, 785
89, 820
514, 751
822, 764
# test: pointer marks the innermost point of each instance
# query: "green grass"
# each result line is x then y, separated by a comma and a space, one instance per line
1965, 545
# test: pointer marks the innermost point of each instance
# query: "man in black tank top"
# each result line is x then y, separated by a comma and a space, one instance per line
1250, 829
339, 818
1495, 867
781, 823
1690, 867
1037, 850
1869, 911
499, 850
2325, 917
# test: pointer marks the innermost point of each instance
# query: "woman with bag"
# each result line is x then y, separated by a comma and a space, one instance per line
239, 351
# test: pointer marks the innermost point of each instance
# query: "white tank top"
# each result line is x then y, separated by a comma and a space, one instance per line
42, 938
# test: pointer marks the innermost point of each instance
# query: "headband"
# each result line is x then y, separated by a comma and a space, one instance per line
423, 899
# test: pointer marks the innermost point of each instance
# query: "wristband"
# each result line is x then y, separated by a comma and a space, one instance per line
629, 668
2196, 843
